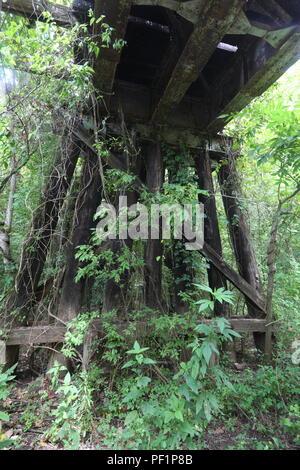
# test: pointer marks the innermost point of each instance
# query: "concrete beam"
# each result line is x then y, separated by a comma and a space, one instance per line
116, 15
265, 65
189, 10
214, 21
34, 9
275, 36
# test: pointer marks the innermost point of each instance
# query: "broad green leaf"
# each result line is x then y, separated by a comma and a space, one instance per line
191, 383
4, 416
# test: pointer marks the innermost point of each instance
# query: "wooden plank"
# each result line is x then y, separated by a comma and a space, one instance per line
235, 278
36, 335
34, 9
2, 352
247, 325
214, 20
241, 325
116, 15
191, 9
55, 334
232, 93
274, 35
88, 347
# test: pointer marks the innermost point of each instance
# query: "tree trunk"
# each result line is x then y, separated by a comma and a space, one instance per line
271, 262
211, 226
272, 271
5, 231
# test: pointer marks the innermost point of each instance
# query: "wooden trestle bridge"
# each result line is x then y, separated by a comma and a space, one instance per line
185, 64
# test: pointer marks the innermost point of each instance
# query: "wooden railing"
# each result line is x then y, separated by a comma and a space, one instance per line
43, 334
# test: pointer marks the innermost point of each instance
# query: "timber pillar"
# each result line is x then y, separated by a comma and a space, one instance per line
240, 236
154, 248
211, 228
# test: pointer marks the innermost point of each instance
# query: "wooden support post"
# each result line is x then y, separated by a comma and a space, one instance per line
235, 278
154, 248
43, 224
211, 227
88, 199
271, 262
116, 294
240, 237
88, 347
36, 245
215, 358
182, 273
2, 353
180, 258
12, 356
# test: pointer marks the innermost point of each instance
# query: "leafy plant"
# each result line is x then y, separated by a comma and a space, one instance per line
291, 424
5, 388
220, 295
187, 405
73, 416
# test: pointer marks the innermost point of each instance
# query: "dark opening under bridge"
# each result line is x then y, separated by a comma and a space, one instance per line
185, 64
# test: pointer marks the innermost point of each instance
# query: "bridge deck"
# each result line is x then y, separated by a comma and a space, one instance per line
173, 75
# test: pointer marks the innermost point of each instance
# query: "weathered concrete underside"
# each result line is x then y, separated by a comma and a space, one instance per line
171, 76
172, 79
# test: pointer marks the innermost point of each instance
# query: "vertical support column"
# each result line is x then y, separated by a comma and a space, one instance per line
182, 272
89, 346
116, 294
154, 248
180, 260
86, 205
2, 353
240, 236
36, 246
211, 227
87, 202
